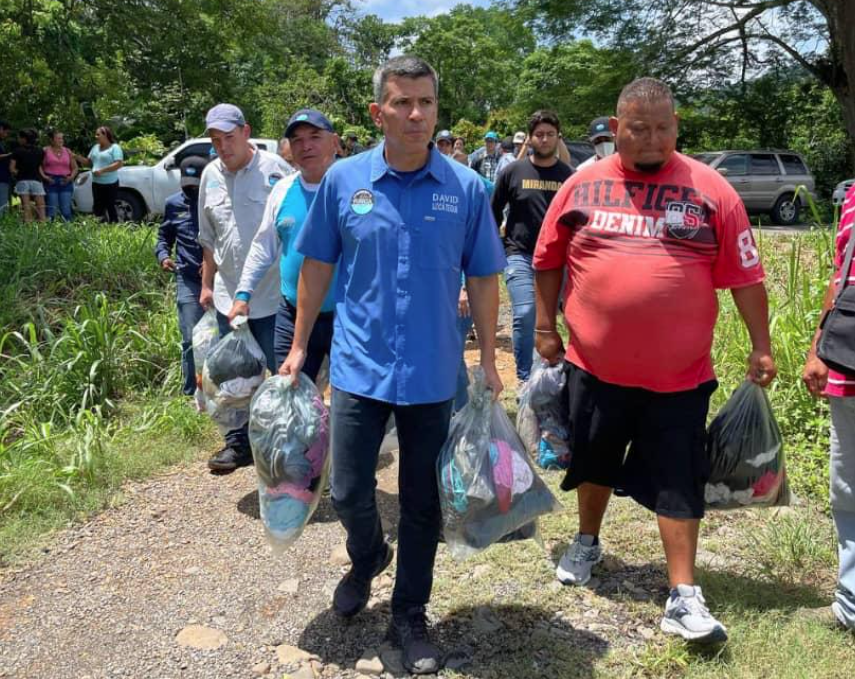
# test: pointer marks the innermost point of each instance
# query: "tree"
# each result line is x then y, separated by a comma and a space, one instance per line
719, 41
477, 53
575, 79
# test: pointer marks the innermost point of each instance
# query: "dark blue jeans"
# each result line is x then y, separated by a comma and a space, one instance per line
262, 329
320, 341
461, 398
59, 198
519, 279
358, 427
188, 289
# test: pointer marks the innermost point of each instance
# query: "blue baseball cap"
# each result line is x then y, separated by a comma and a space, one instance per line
600, 128
492, 135
308, 116
224, 117
445, 135
191, 170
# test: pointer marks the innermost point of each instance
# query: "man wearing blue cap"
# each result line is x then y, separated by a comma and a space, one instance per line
488, 164
601, 136
313, 145
403, 222
233, 193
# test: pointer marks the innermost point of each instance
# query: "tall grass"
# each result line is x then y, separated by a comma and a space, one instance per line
798, 268
89, 350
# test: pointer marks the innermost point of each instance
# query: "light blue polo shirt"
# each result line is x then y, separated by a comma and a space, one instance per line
404, 240
289, 221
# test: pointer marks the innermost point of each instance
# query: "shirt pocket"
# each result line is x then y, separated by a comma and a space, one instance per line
440, 244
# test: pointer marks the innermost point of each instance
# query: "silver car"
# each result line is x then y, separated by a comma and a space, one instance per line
765, 180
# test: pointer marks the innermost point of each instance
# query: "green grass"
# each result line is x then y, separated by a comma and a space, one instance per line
89, 372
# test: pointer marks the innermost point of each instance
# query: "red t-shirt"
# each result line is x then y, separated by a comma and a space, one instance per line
840, 384
644, 255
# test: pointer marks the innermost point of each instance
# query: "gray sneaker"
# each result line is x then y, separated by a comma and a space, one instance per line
687, 616
575, 565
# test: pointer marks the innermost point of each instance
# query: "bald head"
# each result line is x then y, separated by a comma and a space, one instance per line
645, 91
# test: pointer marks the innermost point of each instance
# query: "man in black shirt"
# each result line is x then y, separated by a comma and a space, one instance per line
527, 187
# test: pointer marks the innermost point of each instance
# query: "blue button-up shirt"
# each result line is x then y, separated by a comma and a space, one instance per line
403, 240
180, 229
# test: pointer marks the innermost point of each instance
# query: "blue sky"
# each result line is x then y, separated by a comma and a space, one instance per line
395, 10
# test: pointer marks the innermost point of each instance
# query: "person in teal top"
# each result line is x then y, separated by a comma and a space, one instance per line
105, 158
313, 146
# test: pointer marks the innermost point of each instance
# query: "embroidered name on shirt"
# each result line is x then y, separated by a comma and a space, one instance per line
445, 202
541, 184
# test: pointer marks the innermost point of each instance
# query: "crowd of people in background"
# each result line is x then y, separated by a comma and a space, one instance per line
43, 176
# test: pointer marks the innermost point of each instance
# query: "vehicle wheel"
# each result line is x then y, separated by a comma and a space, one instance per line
129, 206
786, 210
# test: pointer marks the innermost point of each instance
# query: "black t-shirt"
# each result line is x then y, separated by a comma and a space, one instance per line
28, 159
5, 175
527, 190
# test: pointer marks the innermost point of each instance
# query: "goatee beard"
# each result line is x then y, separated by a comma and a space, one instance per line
649, 168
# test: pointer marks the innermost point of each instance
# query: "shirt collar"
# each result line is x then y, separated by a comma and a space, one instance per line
437, 165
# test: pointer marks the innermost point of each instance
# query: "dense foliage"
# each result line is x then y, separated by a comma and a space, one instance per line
152, 67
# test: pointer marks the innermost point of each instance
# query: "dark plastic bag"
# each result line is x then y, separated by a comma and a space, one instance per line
289, 436
488, 489
542, 419
233, 370
746, 454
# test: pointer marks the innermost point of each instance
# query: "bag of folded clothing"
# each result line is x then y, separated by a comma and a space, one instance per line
289, 436
488, 490
746, 454
543, 418
233, 370
205, 335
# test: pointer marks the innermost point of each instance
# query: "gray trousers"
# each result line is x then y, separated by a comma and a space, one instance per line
843, 503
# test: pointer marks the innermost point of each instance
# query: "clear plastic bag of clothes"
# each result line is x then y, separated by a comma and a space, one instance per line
489, 492
542, 418
746, 454
233, 370
289, 436
206, 333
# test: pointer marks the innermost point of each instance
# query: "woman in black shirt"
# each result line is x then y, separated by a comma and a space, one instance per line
26, 161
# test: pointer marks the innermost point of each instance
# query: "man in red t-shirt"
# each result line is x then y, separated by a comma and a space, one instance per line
840, 390
646, 236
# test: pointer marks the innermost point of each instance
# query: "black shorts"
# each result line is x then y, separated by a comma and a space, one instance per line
666, 465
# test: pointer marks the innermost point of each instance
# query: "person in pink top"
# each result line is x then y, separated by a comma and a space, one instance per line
59, 168
840, 391
646, 237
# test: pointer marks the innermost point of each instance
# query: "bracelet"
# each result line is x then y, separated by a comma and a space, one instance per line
546, 332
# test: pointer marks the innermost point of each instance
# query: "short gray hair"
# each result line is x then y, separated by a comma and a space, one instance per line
648, 90
405, 66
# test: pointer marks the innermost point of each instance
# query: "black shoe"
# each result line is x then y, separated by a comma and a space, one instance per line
228, 459
409, 632
352, 593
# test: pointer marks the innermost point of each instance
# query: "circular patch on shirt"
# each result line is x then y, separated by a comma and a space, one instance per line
362, 202
273, 178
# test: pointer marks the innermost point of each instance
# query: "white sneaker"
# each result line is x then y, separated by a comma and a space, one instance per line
575, 565
687, 615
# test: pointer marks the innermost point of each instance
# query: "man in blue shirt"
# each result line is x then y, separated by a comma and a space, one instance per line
180, 229
403, 222
313, 143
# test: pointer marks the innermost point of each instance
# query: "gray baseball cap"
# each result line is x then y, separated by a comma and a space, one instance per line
224, 117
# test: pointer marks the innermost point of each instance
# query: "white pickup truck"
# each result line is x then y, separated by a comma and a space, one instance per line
143, 189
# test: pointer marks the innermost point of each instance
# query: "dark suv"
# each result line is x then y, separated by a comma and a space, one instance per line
765, 180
